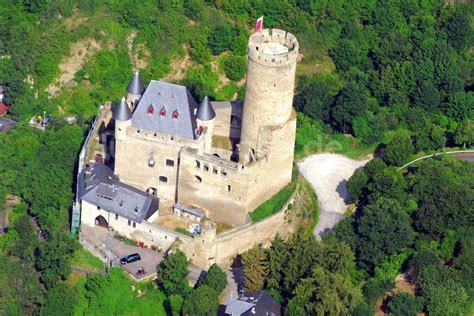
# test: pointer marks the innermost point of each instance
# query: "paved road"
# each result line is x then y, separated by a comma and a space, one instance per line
328, 175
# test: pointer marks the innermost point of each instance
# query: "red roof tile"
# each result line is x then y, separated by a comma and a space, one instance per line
4, 108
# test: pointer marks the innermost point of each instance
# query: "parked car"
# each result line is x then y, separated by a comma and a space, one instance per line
130, 258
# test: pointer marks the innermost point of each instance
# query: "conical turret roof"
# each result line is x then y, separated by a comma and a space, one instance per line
122, 111
205, 111
136, 86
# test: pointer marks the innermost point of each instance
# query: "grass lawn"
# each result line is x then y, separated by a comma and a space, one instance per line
276, 202
183, 231
83, 259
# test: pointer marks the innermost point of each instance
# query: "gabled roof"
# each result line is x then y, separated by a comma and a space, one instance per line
6, 124
122, 111
99, 186
174, 110
205, 111
4, 108
135, 85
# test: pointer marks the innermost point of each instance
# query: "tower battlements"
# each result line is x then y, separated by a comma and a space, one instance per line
273, 47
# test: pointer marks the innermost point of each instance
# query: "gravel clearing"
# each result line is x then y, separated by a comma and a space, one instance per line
328, 175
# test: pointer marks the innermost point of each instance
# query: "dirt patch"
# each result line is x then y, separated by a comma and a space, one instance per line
328, 175
401, 285
134, 56
179, 68
78, 55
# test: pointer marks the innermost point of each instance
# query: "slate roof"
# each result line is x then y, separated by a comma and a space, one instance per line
256, 303
135, 86
99, 186
6, 124
122, 111
205, 111
166, 108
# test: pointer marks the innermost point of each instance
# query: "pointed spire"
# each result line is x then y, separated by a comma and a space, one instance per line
136, 86
122, 111
205, 111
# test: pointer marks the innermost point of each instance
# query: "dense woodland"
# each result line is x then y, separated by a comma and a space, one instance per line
390, 76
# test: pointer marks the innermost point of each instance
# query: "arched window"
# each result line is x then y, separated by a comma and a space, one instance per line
163, 111
150, 109
198, 179
175, 114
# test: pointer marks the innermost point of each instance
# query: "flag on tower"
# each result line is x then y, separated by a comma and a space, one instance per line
259, 24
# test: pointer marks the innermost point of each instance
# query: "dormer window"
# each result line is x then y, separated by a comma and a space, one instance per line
163, 111
150, 109
175, 114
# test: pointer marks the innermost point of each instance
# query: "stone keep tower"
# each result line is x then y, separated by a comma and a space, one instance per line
268, 103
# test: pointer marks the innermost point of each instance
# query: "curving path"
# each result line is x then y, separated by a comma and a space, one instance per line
328, 175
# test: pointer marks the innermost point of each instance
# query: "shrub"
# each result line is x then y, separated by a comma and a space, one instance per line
404, 304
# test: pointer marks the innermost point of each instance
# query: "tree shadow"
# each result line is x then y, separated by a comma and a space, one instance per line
341, 189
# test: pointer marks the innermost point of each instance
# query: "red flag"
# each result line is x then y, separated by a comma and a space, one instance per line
259, 25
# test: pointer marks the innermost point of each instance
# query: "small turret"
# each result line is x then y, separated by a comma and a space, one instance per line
122, 111
205, 115
135, 90
122, 116
205, 111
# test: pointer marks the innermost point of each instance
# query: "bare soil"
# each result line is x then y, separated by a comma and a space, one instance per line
78, 55
328, 175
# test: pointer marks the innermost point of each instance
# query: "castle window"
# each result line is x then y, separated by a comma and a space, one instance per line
163, 179
214, 170
206, 167
163, 111
116, 216
136, 209
98, 208
198, 179
224, 173
150, 109
134, 225
129, 222
198, 164
121, 203
228, 188
169, 163
175, 114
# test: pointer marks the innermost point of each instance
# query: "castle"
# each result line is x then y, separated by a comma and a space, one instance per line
220, 160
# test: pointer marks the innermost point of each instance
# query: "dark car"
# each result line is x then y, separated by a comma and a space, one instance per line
130, 258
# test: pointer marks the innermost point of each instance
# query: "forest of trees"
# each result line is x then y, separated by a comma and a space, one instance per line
391, 75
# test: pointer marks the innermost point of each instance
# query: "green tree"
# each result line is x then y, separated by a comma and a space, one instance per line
349, 104
221, 38
384, 229
215, 278
324, 293
404, 304
458, 29
61, 300
172, 273
234, 67
176, 304
315, 99
255, 269
277, 256
203, 301
398, 150
465, 133
374, 166
389, 183
357, 184
442, 292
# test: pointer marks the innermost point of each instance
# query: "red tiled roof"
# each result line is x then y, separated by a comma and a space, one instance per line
4, 108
